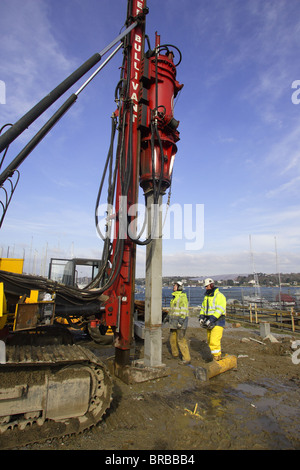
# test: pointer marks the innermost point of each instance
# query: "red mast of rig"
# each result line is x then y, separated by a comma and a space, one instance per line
120, 305
145, 152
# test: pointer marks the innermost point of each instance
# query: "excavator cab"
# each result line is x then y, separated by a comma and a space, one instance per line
77, 272
80, 272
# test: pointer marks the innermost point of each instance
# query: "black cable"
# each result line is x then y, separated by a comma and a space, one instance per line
166, 46
125, 168
156, 184
107, 163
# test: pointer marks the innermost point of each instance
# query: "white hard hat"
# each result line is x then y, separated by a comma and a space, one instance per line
179, 284
208, 281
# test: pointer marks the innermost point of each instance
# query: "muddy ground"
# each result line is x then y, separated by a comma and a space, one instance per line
254, 407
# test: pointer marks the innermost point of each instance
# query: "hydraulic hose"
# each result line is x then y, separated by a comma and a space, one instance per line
37, 138
25, 121
19, 127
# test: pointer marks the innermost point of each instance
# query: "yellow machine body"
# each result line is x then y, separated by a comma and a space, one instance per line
12, 265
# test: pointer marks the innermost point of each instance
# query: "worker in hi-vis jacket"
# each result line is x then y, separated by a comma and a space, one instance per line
178, 322
212, 317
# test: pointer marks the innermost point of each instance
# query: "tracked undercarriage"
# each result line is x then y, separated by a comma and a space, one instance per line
50, 391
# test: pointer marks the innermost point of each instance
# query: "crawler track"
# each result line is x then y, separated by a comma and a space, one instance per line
50, 391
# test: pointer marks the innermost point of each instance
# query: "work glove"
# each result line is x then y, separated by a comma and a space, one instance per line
201, 320
166, 319
180, 323
209, 323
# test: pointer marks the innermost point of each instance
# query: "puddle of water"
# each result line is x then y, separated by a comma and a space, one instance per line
277, 418
251, 389
266, 404
266, 410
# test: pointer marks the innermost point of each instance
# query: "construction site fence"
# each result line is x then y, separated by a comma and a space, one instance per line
282, 319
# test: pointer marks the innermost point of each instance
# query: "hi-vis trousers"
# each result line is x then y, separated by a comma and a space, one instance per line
178, 343
214, 337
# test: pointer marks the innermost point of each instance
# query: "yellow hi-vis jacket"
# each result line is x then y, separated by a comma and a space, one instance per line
179, 310
214, 307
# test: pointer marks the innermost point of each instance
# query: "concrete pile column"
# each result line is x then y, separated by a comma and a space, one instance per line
153, 291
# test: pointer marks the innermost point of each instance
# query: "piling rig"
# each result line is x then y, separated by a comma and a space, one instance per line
52, 389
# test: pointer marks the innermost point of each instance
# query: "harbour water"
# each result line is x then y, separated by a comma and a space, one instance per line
245, 295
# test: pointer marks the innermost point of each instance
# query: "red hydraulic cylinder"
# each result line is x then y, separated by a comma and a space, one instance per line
156, 118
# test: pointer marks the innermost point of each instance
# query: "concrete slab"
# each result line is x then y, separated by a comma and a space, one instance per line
137, 372
139, 329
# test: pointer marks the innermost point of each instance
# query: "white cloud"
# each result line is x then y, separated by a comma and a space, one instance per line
284, 154
289, 188
238, 262
32, 62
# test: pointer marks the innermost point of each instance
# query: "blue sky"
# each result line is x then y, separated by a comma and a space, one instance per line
239, 153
